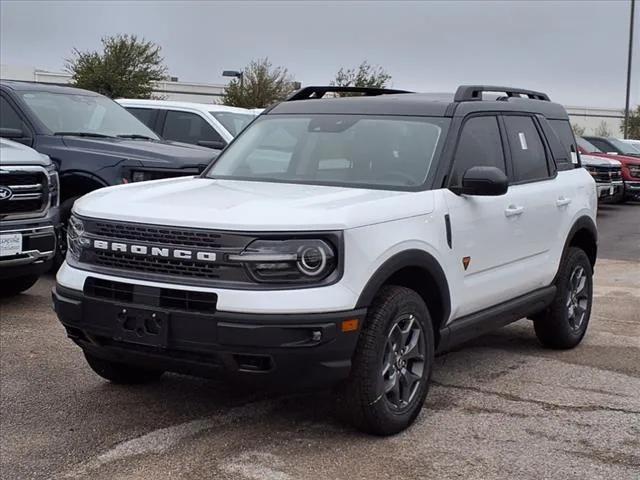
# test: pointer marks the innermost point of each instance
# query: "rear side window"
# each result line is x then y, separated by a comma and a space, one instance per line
188, 128
145, 115
479, 146
527, 150
563, 131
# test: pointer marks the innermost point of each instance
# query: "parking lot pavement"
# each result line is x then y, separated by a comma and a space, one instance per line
500, 407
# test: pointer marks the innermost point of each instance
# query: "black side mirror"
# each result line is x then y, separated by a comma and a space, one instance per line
486, 181
11, 133
218, 145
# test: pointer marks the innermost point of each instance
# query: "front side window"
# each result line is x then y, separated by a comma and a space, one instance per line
188, 128
353, 150
9, 118
479, 146
145, 115
84, 114
233, 122
588, 146
527, 150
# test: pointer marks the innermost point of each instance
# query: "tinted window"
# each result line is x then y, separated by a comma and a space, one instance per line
479, 146
588, 146
527, 150
8, 116
233, 122
188, 128
602, 145
561, 142
145, 115
355, 150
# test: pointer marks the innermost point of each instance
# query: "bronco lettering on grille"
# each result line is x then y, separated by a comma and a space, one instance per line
175, 253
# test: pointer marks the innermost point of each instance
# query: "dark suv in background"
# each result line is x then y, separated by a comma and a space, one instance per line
93, 141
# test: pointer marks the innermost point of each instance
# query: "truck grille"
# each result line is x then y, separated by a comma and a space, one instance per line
29, 191
607, 174
164, 268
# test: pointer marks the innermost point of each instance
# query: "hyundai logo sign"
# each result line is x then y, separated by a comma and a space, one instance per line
5, 193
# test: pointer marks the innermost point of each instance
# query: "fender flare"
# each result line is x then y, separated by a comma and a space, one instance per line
582, 223
86, 175
408, 258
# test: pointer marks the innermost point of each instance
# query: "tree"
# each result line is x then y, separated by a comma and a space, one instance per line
126, 67
365, 75
578, 130
602, 130
261, 85
634, 124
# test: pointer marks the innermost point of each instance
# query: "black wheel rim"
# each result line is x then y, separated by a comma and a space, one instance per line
403, 362
578, 298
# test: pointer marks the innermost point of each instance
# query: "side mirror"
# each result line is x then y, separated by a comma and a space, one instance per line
218, 145
486, 181
11, 133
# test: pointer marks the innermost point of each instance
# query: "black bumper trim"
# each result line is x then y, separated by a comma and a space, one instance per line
309, 349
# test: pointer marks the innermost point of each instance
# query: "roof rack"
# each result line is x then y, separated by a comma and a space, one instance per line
319, 92
466, 93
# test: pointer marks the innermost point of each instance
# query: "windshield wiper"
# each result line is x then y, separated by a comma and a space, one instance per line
135, 136
84, 134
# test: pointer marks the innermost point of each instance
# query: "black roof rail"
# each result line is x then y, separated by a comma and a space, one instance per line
320, 91
466, 93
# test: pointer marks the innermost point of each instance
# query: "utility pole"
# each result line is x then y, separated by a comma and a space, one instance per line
626, 105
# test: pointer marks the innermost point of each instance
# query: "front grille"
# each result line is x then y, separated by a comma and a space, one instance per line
606, 174
168, 298
29, 188
166, 268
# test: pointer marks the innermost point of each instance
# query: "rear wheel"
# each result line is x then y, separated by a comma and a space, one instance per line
564, 323
392, 364
13, 286
121, 373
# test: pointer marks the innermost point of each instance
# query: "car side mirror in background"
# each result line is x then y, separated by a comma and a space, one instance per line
218, 145
11, 133
486, 181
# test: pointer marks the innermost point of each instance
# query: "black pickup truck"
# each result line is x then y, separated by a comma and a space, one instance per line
93, 141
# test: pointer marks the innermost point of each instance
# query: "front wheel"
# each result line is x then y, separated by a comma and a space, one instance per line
392, 364
564, 323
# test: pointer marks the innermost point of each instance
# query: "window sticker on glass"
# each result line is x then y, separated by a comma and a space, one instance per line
523, 141
574, 158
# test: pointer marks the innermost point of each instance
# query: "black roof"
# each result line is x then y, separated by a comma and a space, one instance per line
468, 99
44, 87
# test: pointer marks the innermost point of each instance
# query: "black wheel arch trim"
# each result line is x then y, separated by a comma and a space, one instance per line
582, 223
408, 258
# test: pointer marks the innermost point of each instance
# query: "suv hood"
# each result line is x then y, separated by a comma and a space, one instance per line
152, 154
598, 161
251, 206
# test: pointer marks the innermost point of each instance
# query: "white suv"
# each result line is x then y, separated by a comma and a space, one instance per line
341, 241
203, 124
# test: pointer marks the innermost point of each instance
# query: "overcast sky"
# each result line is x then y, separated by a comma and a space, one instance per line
575, 51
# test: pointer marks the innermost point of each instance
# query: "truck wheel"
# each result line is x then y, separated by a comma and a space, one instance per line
13, 286
61, 248
392, 364
564, 323
121, 373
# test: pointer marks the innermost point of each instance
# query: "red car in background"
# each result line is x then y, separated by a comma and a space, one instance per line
630, 168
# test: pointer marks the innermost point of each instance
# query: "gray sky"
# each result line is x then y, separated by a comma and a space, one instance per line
575, 51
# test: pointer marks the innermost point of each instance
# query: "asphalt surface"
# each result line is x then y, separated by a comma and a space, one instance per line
501, 407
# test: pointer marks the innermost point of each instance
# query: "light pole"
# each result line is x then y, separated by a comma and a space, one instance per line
236, 74
626, 105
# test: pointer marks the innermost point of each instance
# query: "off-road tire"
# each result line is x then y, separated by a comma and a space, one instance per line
553, 327
13, 286
121, 373
362, 401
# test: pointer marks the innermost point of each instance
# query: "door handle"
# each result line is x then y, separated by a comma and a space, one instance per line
563, 201
513, 210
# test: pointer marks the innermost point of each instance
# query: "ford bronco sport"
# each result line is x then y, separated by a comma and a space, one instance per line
341, 241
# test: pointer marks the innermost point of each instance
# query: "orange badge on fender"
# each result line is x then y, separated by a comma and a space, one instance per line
465, 262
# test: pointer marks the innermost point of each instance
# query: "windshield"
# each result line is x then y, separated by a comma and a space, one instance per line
352, 150
233, 122
84, 114
588, 146
624, 147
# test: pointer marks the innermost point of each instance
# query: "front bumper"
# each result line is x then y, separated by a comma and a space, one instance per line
632, 189
38, 249
300, 350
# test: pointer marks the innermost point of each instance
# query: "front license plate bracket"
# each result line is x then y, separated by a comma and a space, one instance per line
142, 326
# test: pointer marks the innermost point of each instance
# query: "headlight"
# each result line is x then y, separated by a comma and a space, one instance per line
54, 186
140, 176
634, 170
76, 239
288, 261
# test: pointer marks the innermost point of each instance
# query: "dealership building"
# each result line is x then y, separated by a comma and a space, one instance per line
589, 118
